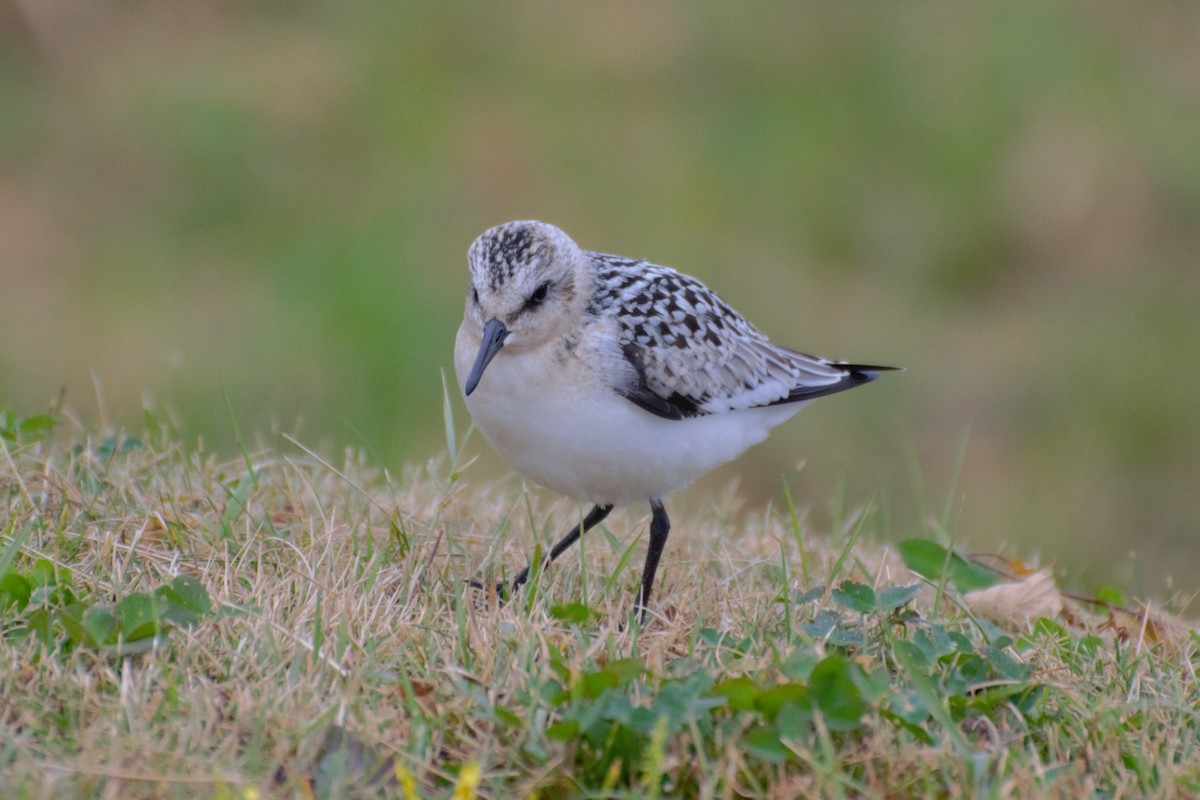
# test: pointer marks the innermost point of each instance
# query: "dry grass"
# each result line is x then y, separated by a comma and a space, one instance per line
345, 656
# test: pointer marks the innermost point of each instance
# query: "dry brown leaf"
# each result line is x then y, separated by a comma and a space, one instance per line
1146, 626
1017, 602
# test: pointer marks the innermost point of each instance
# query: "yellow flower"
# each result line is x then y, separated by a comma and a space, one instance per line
408, 784
468, 781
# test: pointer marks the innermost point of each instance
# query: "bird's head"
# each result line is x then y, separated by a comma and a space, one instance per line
525, 288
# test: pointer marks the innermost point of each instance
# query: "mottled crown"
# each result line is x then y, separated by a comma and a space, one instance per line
517, 247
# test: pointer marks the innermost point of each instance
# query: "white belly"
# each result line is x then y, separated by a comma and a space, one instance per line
558, 426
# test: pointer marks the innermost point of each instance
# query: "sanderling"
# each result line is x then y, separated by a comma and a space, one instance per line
613, 380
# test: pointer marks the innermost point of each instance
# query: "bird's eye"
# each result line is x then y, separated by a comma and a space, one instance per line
539, 294
474, 296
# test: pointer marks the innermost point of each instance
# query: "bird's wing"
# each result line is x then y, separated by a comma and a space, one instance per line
688, 353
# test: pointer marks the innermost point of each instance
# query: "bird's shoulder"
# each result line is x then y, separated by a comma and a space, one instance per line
658, 306
684, 351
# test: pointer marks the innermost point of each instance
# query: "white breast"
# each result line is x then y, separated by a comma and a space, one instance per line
558, 423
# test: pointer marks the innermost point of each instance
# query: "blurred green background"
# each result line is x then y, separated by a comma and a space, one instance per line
273, 201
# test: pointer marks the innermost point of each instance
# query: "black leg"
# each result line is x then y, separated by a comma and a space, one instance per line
660, 526
594, 518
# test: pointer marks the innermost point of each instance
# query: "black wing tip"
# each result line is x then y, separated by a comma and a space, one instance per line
855, 375
866, 372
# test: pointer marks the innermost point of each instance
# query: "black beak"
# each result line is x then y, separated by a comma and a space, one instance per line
494, 334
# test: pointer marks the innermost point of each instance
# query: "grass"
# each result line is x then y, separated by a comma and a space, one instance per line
286, 624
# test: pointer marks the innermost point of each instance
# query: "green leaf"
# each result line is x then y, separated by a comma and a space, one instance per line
36, 423
553, 692
723, 641
844, 637
763, 743
1004, 664
594, 684
15, 590
815, 593
139, 617
739, 692
237, 503
71, 619
117, 445
507, 717
45, 573
626, 669
794, 722
931, 560
591, 719
62, 594
823, 623
837, 695
798, 665
30, 429
575, 613
933, 643
897, 596
12, 549
41, 625
961, 643
185, 600
558, 662
772, 700
101, 624
128, 648
855, 596
908, 706
1044, 626
986, 701
36, 427
627, 746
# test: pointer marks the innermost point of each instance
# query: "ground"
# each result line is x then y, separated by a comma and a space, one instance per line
290, 624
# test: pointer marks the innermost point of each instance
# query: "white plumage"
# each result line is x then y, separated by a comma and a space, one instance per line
614, 380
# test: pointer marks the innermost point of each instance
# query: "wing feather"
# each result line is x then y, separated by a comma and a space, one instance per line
691, 354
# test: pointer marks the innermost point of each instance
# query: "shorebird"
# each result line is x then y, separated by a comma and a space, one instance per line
613, 380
